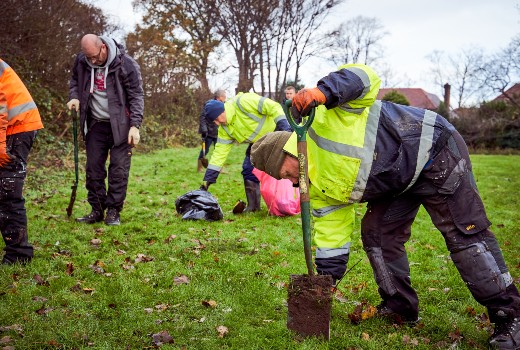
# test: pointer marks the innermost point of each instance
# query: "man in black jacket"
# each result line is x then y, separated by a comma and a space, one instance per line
208, 130
106, 89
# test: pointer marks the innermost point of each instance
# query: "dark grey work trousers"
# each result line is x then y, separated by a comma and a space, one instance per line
13, 216
99, 145
447, 190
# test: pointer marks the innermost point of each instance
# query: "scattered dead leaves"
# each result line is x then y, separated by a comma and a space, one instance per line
209, 303
143, 258
362, 311
222, 331
170, 238
163, 337
40, 281
182, 279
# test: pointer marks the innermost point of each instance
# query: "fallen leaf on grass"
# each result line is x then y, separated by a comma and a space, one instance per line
143, 258
182, 279
88, 290
455, 336
358, 287
362, 311
15, 327
6, 339
210, 303
365, 336
36, 298
95, 242
44, 310
410, 341
170, 238
222, 331
39, 281
162, 307
70, 269
161, 338
76, 287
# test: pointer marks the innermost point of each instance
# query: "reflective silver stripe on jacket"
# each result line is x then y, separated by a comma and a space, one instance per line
425, 144
280, 117
3, 66
260, 121
219, 140
323, 253
214, 167
365, 154
16, 111
321, 212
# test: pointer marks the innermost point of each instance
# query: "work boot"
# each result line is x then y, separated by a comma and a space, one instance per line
506, 335
17, 246
93, 217
200, 167
112, 217
253, 196
386, 312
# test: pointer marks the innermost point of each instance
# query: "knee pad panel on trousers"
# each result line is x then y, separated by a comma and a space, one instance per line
382, 274
480, 271
11, 188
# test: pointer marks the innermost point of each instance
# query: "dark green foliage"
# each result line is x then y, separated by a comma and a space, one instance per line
495, 125
442, 110
396, 97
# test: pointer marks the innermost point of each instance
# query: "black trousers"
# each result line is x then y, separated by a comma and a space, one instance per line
13, 216
99, 145
447, 190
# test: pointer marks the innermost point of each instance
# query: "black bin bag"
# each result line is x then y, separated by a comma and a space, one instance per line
198, 205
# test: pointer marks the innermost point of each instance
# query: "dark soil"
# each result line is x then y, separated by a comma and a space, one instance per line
309, 305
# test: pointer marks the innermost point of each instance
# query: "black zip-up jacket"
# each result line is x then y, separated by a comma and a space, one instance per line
124, 92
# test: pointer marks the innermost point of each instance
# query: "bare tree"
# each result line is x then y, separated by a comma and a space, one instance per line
357, 41
502, 69
459, 70
192, 23
40, 38
242, 24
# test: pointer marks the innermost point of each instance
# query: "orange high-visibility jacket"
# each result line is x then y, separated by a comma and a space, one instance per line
18, 112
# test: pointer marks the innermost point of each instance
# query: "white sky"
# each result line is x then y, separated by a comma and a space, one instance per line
416, 28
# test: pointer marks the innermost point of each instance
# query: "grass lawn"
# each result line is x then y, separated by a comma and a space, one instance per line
159, 281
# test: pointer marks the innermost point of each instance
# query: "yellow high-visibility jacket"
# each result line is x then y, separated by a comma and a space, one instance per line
249, 117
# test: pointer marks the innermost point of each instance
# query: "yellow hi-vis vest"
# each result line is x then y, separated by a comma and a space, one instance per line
340, 138
249, 117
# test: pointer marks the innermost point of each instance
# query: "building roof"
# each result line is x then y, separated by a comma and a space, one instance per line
416, 96
513, 92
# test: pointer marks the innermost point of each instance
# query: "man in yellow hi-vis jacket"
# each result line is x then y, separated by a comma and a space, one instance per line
243, 119
396, 158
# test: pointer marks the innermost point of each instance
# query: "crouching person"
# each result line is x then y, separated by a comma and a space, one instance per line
19, 122
243, 119
396, 158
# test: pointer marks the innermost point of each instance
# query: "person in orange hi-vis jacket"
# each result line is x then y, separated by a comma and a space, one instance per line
19, 122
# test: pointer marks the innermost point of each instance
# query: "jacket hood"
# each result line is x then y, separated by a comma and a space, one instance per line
371, 81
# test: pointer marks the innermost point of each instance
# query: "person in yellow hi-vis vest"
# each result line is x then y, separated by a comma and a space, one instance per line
243, 119
396, 158
19, 122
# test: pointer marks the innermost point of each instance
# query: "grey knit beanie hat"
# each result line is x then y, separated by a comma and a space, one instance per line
267, 152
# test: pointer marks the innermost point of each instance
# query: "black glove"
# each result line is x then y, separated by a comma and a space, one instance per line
204, 136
